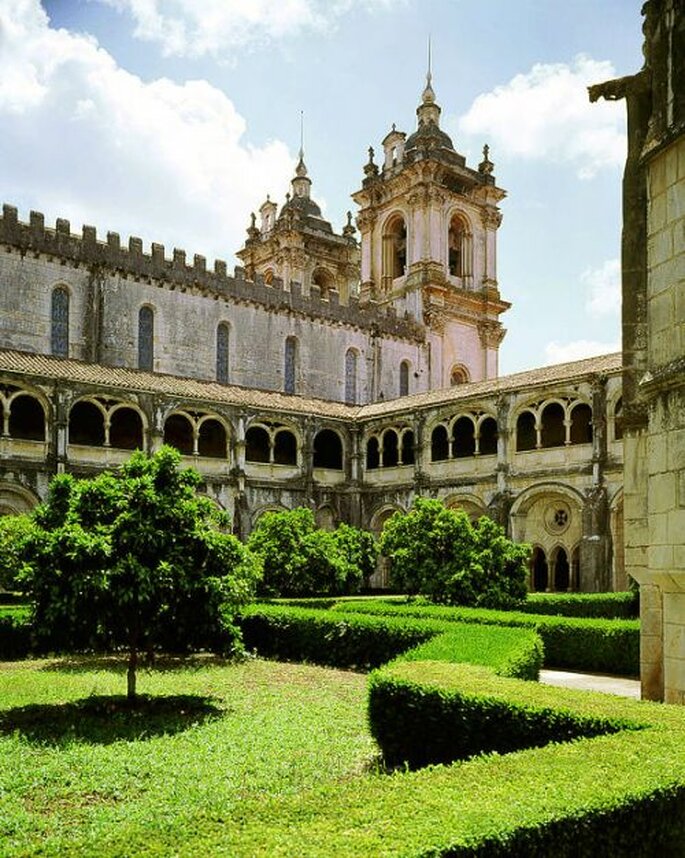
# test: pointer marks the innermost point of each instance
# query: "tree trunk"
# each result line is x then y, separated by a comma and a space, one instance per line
131, 675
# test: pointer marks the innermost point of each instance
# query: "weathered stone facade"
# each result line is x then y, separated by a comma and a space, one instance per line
290, 383
654, 343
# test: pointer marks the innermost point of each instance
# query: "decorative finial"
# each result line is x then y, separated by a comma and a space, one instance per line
394, 128
349, 229
253, 219
371, 154
429, 73
486, 166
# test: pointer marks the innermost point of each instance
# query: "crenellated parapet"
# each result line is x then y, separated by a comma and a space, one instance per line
178, 273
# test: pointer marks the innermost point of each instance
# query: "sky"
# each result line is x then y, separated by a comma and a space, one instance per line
172, 119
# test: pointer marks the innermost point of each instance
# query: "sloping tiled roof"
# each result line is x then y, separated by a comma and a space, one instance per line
139, 381
539, 377
123, 378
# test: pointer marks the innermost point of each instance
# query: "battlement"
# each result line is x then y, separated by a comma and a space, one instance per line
176, 272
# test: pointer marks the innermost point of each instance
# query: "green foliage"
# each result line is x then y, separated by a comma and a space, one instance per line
15, 633
358, 641
135, 558
604, 646
438, 553
15, 531
607, 606
299, 559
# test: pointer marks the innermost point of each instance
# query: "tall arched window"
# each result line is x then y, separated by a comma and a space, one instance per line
404, 378
59, 328
290, 362
459, 248
618, 419
222, 353
394, 249
351, 377
146, 332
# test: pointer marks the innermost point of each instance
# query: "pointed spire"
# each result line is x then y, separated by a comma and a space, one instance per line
428, 96
301, 169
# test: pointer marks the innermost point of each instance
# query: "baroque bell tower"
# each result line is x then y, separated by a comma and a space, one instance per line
428, 228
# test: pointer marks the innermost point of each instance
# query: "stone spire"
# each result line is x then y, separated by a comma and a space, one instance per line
301, 183
428, 111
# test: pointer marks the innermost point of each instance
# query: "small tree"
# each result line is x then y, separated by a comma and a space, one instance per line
438, 553
300, 559
136, 558
15, 531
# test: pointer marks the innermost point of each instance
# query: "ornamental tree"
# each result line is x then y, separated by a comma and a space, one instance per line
136, 558
300, 559
438, 553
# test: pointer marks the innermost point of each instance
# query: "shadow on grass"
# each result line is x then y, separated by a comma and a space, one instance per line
101, 720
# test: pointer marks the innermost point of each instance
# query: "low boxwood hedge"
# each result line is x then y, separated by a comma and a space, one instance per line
359, 641
600, 606
602, 646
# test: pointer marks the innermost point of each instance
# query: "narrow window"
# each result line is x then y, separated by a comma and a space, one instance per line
211, 440
372, 454
146, 327
463, 438
562, 572
351, 377
394, 250
407, 449
540, 571
618, 420
59, 334
222, 353
440, 448
487, 441
404, 378
553, 428
391, 454
526, 435
290, 360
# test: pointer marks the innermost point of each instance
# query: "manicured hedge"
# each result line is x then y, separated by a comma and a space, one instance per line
602, 646
355, 640
602, 606
437, 713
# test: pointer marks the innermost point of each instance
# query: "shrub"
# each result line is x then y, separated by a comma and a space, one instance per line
299, 559
604, 646
438, 553
607, 606
355, 640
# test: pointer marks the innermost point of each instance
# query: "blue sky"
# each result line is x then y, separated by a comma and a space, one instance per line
172, 119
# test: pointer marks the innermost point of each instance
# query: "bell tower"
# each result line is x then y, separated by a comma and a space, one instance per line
428, 226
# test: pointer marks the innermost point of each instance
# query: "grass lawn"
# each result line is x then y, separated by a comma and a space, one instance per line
79, 777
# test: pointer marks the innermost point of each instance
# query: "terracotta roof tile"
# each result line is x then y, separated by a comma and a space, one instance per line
124, 378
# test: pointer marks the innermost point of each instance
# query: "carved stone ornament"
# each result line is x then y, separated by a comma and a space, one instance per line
491, 333
557, 518
491, 218
435, 318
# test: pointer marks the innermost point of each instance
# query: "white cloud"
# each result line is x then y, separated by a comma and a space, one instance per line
87, 140
577, 350
215, 27
604, 284
546, 114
